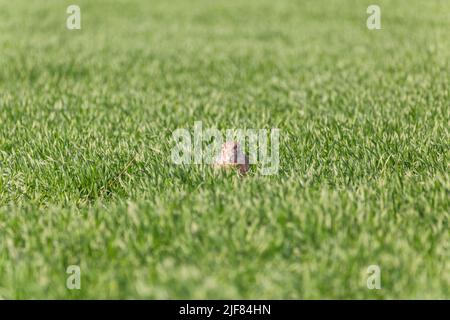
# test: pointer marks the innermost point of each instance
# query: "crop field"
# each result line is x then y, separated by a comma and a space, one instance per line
86, 135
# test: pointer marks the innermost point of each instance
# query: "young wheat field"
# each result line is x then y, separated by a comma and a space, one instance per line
87, 178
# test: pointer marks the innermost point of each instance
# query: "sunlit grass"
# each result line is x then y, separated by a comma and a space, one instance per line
85, 140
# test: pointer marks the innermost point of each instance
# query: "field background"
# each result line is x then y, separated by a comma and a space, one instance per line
85, 137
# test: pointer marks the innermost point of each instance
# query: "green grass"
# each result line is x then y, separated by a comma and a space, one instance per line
364, 178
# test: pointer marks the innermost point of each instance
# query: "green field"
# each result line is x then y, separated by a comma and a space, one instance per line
86, 122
